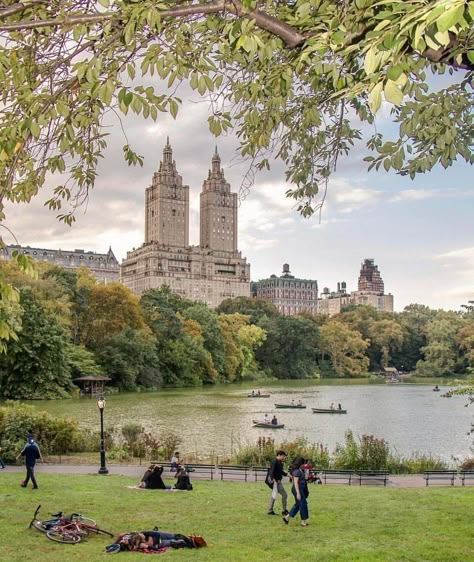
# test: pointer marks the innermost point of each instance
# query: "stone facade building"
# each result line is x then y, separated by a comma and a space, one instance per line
289, 294
104, 267
211, 272
370, 291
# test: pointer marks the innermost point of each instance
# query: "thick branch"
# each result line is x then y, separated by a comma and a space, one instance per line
67, 21
289, 34
19, 7
447, 55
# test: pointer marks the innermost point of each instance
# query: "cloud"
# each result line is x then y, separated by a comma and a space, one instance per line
460, 263
466, 254
463, 293
414, 195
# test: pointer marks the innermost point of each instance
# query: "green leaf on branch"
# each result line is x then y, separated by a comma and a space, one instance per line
392, 93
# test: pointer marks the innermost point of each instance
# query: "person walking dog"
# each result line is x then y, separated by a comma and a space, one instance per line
274, 480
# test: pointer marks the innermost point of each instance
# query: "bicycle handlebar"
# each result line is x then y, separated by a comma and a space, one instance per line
34, 516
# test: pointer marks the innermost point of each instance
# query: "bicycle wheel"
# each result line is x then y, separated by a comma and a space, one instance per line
39, 526
63, 536
96, 530
82, 519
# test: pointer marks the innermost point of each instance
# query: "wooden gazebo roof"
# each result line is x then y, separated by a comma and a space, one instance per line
93, 378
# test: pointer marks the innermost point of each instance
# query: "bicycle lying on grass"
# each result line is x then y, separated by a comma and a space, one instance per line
68, 529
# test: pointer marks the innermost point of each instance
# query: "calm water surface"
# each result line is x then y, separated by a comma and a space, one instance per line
217, 420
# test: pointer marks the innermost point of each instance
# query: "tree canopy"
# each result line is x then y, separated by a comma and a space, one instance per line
296, 79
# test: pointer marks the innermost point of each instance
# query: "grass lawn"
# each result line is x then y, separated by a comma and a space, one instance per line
346, 523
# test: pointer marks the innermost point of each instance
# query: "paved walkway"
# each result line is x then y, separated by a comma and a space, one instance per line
396, 481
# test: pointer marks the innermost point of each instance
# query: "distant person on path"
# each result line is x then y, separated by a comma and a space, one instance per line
174, 462
299, 491
274, 478
32, 453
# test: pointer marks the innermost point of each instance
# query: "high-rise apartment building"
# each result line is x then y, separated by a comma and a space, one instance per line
211, 272
369, 278
289, 294
370, 291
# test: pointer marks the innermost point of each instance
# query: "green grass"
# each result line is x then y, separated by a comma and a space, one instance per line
367, 524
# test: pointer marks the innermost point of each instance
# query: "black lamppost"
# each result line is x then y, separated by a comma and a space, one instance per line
101, 406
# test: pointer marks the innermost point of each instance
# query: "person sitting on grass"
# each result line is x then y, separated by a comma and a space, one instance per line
152, 479
149, 541
183, 481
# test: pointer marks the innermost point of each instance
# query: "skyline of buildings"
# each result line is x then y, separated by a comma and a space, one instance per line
215, 269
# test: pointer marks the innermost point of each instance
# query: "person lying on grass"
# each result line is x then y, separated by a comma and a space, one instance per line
149, 541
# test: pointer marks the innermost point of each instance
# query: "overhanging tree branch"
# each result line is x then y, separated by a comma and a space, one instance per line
19, 7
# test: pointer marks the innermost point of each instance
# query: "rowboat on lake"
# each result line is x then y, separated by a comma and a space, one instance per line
328, 411
268, 425
258, 395
300, 406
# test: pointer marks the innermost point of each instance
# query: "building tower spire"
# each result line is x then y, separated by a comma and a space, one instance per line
167, 152
216, 162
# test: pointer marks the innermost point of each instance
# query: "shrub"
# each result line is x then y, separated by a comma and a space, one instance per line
131, 432
55, 435
467, 464
415, 464
259, 454
370, 453
169, 442
263, 452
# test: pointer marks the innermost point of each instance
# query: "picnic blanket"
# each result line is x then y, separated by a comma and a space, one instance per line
155, 489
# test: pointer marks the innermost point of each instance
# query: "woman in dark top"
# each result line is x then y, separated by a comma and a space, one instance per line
299, 491
183, 481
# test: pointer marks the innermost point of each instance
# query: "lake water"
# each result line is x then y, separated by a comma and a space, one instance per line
217, 420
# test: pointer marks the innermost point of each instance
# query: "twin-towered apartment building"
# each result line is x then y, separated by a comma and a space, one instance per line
211, 272
215, 269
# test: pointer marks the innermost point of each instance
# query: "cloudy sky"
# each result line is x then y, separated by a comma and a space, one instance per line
420, 233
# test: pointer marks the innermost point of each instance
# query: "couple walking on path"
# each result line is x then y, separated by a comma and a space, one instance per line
299, 487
